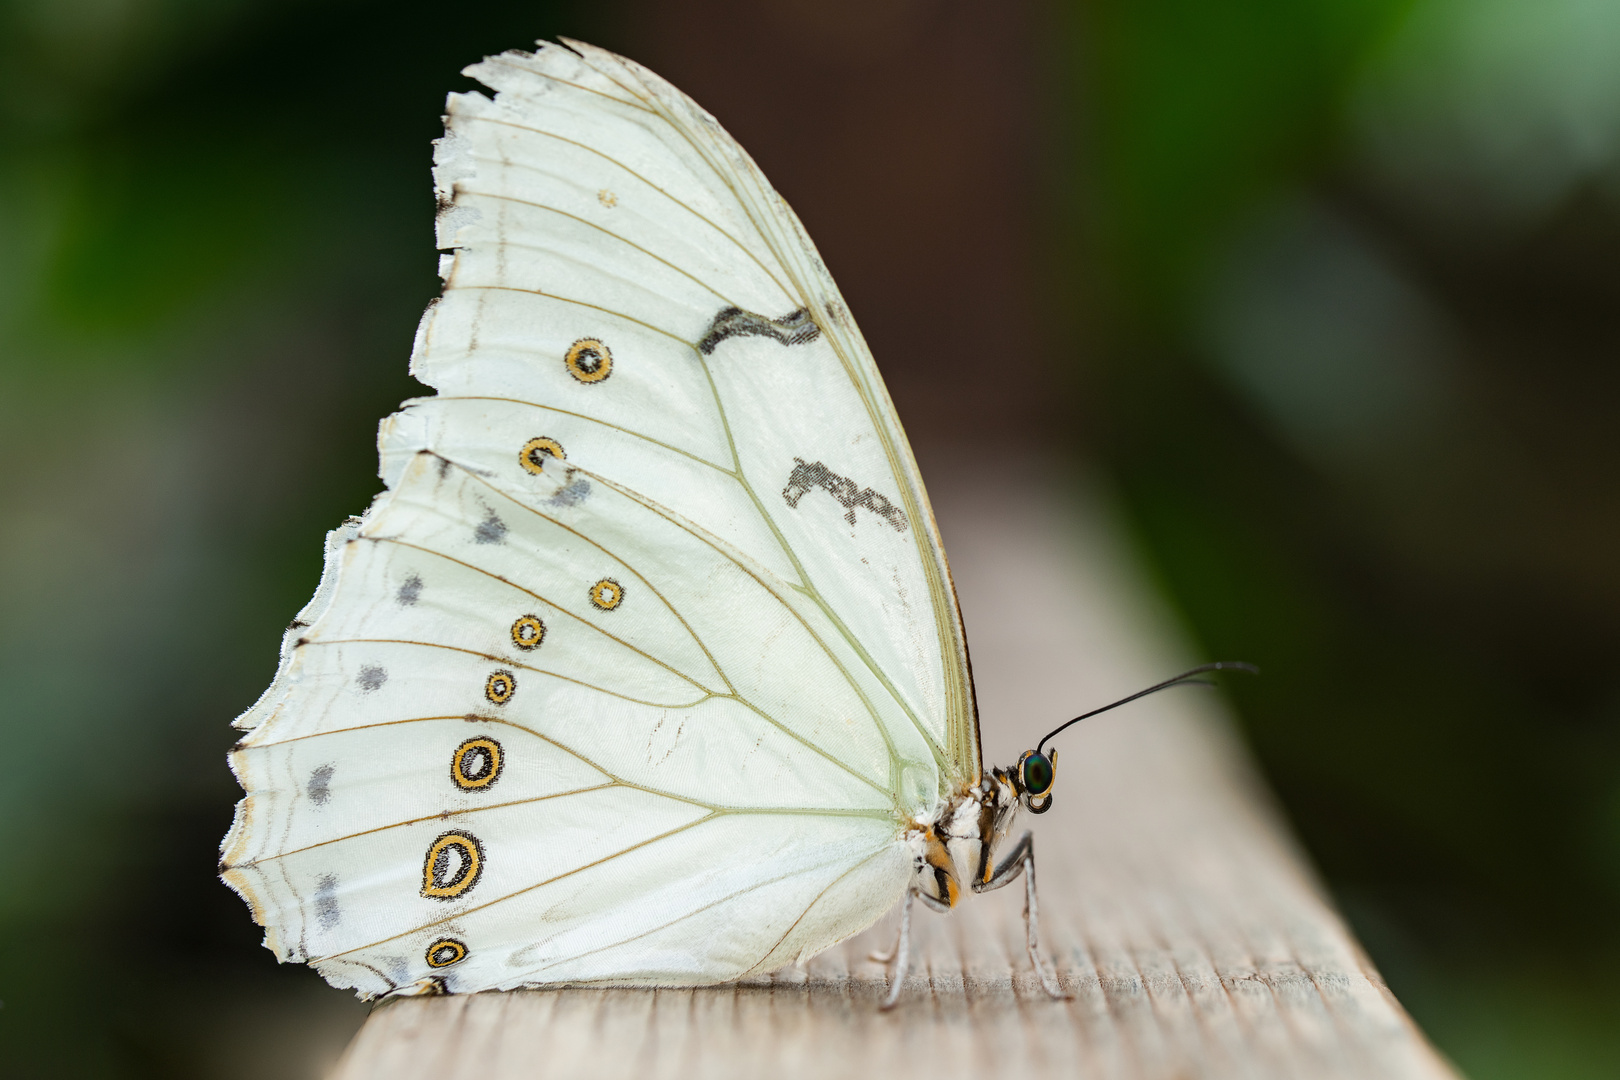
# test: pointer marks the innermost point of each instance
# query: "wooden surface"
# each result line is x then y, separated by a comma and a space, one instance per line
1188, 928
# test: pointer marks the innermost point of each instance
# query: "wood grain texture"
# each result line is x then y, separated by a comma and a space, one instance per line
1189, 929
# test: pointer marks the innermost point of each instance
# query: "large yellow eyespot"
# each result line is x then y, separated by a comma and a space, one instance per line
607, 594
453, 864
528, 632
589, 360
535, 451
500, 687
446, 951
477, 763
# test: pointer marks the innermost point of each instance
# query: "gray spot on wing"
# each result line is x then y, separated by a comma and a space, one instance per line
492, 530
371, 678
397, 967
320, 784
575, 490
327, 912
411, 591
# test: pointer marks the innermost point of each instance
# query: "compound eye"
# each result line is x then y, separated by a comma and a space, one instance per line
1037, 773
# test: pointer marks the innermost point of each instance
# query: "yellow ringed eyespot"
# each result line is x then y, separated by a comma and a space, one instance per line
528, 632
607, 594
446, 951
500, 687
477, 763
453, 865
589, 360
534, 453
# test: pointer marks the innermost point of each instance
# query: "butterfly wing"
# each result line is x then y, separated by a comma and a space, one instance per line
648, 653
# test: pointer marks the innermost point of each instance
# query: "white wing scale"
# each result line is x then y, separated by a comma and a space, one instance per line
709, 773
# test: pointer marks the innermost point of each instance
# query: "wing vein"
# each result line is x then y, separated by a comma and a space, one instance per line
696, 637
752, 887
614, 779
593, 419
724, 299
758, 964
702, 535
554, 606
517, 664
259, 859
577, 303
637, 104
786, 292
733, 694
529, 888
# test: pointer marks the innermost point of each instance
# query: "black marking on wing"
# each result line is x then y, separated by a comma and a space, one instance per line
794, 328
848, 493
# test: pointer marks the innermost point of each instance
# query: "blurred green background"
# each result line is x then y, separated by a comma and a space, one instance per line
1332, 292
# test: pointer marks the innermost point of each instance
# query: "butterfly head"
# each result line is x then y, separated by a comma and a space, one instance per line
1033, 778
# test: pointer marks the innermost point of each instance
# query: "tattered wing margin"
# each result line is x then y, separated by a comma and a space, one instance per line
452, 162
399, 437
234, 847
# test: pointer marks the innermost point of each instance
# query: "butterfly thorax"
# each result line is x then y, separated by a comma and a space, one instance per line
957, 847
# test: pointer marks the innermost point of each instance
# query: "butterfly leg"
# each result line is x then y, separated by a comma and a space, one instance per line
901, 953
1021, 860
900, 934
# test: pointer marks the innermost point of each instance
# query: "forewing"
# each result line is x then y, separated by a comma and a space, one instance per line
593, 201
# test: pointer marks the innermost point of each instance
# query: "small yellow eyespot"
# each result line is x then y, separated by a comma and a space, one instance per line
607, 198
453, 864
607, 594
528, 632
500, 687
535, 451
589, 360
446, 951
477, 763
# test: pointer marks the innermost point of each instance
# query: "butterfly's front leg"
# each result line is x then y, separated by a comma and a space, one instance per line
1021, 860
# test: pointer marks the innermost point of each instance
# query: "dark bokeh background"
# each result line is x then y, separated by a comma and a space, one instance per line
1328, 289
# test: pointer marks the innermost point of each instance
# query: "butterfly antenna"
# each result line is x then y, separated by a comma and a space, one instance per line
1184, 679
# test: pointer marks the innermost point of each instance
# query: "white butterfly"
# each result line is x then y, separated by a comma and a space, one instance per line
646, 668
